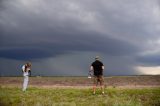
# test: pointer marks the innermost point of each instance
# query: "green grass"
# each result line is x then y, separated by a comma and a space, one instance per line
12, 96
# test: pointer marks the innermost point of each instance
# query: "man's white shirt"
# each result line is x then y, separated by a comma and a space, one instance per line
24, 73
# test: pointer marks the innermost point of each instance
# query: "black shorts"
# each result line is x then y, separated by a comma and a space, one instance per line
98, 78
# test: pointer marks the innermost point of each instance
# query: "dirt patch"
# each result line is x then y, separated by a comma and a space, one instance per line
84, 82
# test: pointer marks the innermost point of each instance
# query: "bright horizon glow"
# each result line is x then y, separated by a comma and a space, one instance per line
149, 70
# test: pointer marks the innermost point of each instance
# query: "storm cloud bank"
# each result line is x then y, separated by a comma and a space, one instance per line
63, 37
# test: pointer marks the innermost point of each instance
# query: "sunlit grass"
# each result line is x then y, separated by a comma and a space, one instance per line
79, 97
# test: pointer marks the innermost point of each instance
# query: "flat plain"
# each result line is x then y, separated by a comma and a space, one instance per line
77, 91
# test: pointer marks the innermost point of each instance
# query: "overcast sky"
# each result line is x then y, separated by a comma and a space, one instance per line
62, 37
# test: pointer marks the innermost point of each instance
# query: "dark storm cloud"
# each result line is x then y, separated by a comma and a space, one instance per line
121, 30
87, 42
149, 60
25, 53
35, 36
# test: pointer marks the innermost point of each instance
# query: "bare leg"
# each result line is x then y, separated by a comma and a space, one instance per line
94, 85
102, 89
102, 84
94, 89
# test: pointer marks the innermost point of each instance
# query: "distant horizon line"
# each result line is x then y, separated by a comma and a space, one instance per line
73, 75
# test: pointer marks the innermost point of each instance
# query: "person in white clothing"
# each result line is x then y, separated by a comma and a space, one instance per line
26, 69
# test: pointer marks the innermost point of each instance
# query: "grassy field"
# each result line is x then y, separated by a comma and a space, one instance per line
13, 96
77, 91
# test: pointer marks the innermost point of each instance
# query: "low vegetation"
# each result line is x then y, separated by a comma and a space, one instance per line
34, 96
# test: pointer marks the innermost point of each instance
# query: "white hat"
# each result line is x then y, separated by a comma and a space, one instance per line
97, 57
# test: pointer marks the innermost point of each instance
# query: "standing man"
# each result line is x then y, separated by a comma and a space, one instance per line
26, 73
97, 67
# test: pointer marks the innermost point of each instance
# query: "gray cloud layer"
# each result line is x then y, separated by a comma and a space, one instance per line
124, 32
